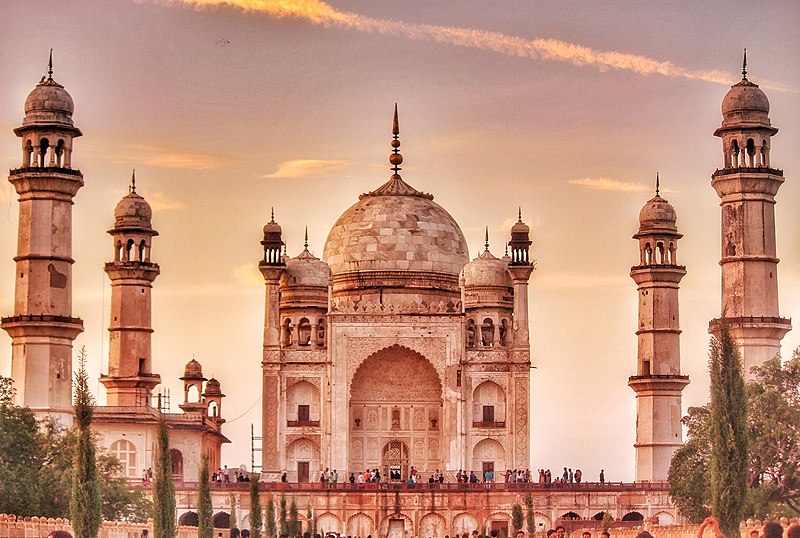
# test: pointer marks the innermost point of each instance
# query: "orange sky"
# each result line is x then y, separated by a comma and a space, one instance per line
565, 108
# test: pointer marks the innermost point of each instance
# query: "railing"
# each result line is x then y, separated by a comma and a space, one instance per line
745, 169
42, 317
496, 424
57, 169
300, 423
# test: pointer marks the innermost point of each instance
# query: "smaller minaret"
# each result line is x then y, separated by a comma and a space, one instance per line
521, 266
193, 389
272, 267
658, 381
130, 378
212, 397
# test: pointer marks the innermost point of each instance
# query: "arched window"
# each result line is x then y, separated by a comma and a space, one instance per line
129, 250
673, 260
487, 333
660, 253
503, 332
648, 254
125, 452
221, 520
633, 516
213, 409
118, 251
321, 332
471, 333
59, 151
177, 465
286, 333
192, 393
189, 519
44, 144
27, 154
304, 332
751, 152
142, 247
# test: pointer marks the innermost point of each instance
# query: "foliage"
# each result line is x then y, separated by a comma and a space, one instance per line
517, 517
233, 523
271, 529
205, 511
282, 525
529, 515
85, 504
312, 523
163, 487
256, 521
773, 397
605, 523
6, 391
294, 519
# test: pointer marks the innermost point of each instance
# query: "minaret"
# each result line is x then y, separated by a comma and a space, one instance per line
271, 266
130, 378
747, 186
658, 381
520, 267
42, 328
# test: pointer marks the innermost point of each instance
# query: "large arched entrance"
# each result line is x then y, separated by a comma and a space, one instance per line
395, 414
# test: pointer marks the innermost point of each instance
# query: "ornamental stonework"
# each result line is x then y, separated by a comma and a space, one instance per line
521, 414
358, 349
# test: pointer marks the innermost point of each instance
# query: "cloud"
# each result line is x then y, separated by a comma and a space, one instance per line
248, 274
302, 168
608, 184
321, 13
171, 157
161, 202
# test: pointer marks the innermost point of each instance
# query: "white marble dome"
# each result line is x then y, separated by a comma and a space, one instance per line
133, 211
305, 270
657, 214
396, 228
48, 103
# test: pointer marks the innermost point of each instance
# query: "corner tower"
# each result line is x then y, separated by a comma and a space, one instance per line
130, 378
42, 328
747, 185
658, 382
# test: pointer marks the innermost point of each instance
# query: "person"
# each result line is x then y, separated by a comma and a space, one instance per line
565, 475
352, 478
793, 531
772, 529
754, 533
560, 531
520, 533
644, 534
245, 533
586, 534
605, 534
335, 476
60, 534
284, 478
234, 533
145, 532
602, 476
578, 476
551, 533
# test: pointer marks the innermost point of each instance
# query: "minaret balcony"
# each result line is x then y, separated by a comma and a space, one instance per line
46, 169
51, 179
42, 324
747, 170
658, 383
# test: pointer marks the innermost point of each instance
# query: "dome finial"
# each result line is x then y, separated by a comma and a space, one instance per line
272, 214
519, 217
132, 188
658, 184
744, 65
305, 240
50, 66
395, 158
486, 242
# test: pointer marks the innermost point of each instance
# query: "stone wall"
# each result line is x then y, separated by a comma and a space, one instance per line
34, 527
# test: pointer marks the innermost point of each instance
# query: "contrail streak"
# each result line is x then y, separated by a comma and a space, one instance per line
321, 13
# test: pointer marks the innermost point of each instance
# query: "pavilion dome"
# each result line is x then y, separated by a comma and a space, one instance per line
193, 370
305, 270
396, 228
657, 214
49, 103
487, 270
213, 388
133, 211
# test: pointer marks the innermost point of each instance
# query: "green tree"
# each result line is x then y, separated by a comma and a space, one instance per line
689, 479
530, 517
256, 520
294, 519
729, 432
205, 515
85, 506
605, 523
22, 455
517, 517
271, 530
282, 524
163, 487
232, 501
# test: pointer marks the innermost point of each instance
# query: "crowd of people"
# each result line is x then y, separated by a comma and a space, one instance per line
225, 475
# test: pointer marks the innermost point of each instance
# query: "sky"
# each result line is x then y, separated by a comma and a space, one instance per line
567, 109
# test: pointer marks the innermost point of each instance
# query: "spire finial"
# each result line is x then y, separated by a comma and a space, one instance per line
519, 214
744, 65
272, 214
486, 241
132, 188
50, 66
395, 158
658, 184
305, 240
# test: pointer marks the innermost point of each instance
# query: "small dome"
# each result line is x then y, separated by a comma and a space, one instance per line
133, 211
657, 213
213, 388
272, 227
520, 227
193, 370
487, 270
744, 97
306, 270
48, 103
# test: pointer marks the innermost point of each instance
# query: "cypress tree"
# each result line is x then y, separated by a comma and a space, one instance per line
517, 519
205, 524
282, 518
729, 457
294, 520
163, 487
255, 508
233, 523
84, 505
529, 515
271, 530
